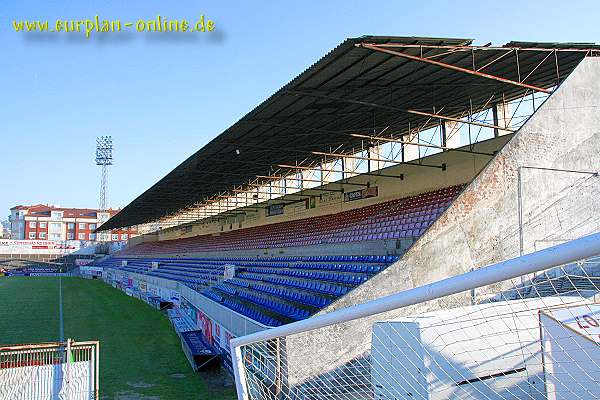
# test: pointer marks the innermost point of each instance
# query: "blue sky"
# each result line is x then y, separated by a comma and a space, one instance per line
164, 97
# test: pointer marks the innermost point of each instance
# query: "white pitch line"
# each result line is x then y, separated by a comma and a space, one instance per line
60, 311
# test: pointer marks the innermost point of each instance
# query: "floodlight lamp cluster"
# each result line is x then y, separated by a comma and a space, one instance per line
104, 149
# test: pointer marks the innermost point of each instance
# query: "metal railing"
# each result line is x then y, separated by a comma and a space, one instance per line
50, 371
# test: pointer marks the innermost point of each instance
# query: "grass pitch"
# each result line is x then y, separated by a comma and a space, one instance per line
140, 354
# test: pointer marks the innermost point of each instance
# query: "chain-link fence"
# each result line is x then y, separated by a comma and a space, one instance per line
526, 328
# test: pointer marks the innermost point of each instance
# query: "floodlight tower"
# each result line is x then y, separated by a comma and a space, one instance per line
104, 158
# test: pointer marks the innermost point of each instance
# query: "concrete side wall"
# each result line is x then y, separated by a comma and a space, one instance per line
148, 237
482, 226
371, 247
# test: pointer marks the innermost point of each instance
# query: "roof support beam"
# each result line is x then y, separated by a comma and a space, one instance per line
311, 131
376, 159
224, 210
355, 157
408, 111
387, 139
241, 207
452, 67
279, 199
298, 167
482, 124
236, 204
401, 176
479, 48
280, 195
276, 178
296, 188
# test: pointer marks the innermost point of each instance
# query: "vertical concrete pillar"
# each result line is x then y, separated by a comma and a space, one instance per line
260, 193
296, 182
271, 189
409, 151
308, 176
375, 153
450, 134
286, 185
349, 166
501, 113
327, 172
266, 190
279, 186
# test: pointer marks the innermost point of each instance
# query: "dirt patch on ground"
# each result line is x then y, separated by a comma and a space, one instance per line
130, 395
140, 384
217, 378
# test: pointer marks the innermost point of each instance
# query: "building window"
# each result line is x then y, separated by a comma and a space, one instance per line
124, 236
42, 235
55, 236
43, 225
55, 227
56, 214
31, 235
92, 227
92, 236
71, 225
32, 224
70, 236
115, 236
82, 225
81, 236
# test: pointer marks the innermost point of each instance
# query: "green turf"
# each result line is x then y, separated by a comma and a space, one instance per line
140, 354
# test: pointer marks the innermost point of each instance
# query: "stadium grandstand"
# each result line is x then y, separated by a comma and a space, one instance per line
389, 164
20, 266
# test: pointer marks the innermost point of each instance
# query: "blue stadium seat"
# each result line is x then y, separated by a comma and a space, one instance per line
281, 288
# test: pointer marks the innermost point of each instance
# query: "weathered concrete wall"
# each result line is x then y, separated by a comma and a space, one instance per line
371, 247
148, 237
482, 226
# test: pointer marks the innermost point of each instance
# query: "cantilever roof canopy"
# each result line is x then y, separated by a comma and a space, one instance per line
365, 85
